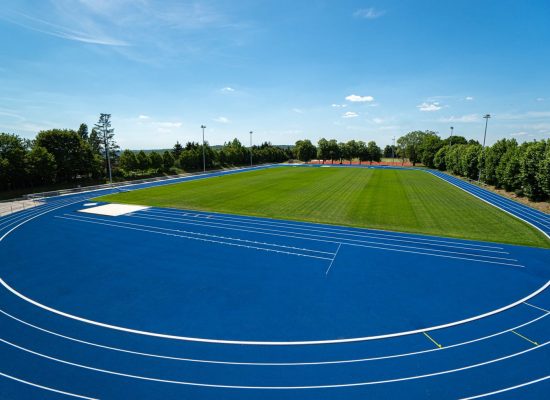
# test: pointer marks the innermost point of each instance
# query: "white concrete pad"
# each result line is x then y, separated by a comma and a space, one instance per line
113, 210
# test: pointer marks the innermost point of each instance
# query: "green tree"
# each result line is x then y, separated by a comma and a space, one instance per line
155, 160
167, 160
410, 145
108, 147
12, 161
176, 151
469, 161
375, 153
305, 150
128, 161
543, 174
323, 150
362, 151
507, 171
439, 158
41, 166
333, 150
83, 132
429, 146
73, 157
529, 162
143, 162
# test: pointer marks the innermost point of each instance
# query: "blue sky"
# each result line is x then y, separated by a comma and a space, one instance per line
287, 70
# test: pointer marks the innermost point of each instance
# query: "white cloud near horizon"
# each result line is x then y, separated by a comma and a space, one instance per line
227, 89
339, 105
429, 106
350, 114
354, 98
368, 13
222, 120
463, 118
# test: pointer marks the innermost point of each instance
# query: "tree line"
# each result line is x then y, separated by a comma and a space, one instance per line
67, 157
331, 150
520, 168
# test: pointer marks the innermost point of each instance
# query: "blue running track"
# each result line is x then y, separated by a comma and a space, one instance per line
175, 304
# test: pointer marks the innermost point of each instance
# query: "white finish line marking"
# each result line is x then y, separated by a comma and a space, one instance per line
113, 210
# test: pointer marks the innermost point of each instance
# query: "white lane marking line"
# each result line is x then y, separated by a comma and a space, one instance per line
45, 387
408, 378
200, 234
349, 242
272, 343
270, 364
506, 389
496, 206
332, 262
35, 303
194, 238
221, 219
538, 308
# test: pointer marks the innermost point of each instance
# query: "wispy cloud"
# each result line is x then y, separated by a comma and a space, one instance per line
368, 13
463, 118
539, 99
222, 120
359, 99
61, 31
143, 117
339, 105
298, 110
434, 106
519, 133
350, 114
469, 98
526, 115
227, 89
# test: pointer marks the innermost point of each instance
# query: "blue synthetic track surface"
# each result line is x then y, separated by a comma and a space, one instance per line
174, 304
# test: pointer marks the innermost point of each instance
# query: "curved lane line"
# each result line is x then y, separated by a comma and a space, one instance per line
45, 387
507, 389
271, 364
265, 343
339, 385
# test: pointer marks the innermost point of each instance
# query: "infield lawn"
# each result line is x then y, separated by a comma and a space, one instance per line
398, 200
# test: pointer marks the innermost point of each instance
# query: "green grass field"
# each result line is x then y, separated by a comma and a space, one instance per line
407, 201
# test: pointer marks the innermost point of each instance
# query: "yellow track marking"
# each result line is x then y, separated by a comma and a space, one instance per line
523, 337
433, 341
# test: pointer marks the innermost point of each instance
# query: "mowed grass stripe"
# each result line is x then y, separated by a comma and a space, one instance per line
398, 200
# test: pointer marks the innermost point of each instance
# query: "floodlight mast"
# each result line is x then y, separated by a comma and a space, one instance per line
451, 138
486, 116
203, 127
251, 147
393, 152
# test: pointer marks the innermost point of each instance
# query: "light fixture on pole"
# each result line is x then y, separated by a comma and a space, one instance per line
251, 147
486, 116
451, 138
203, 127
393, 151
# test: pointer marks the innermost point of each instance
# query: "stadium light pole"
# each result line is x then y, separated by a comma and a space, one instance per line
451, 138
251, 147
486, 116
203, 127
393, 152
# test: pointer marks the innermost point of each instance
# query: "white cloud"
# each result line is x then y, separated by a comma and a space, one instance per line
469, 98
368, 13
222, 120
359, 99
298, 111
350, 114
169, 124
144, 117
339, 105
540, 99
227, 89
518, 134
429, 106
463, 118
377, 120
